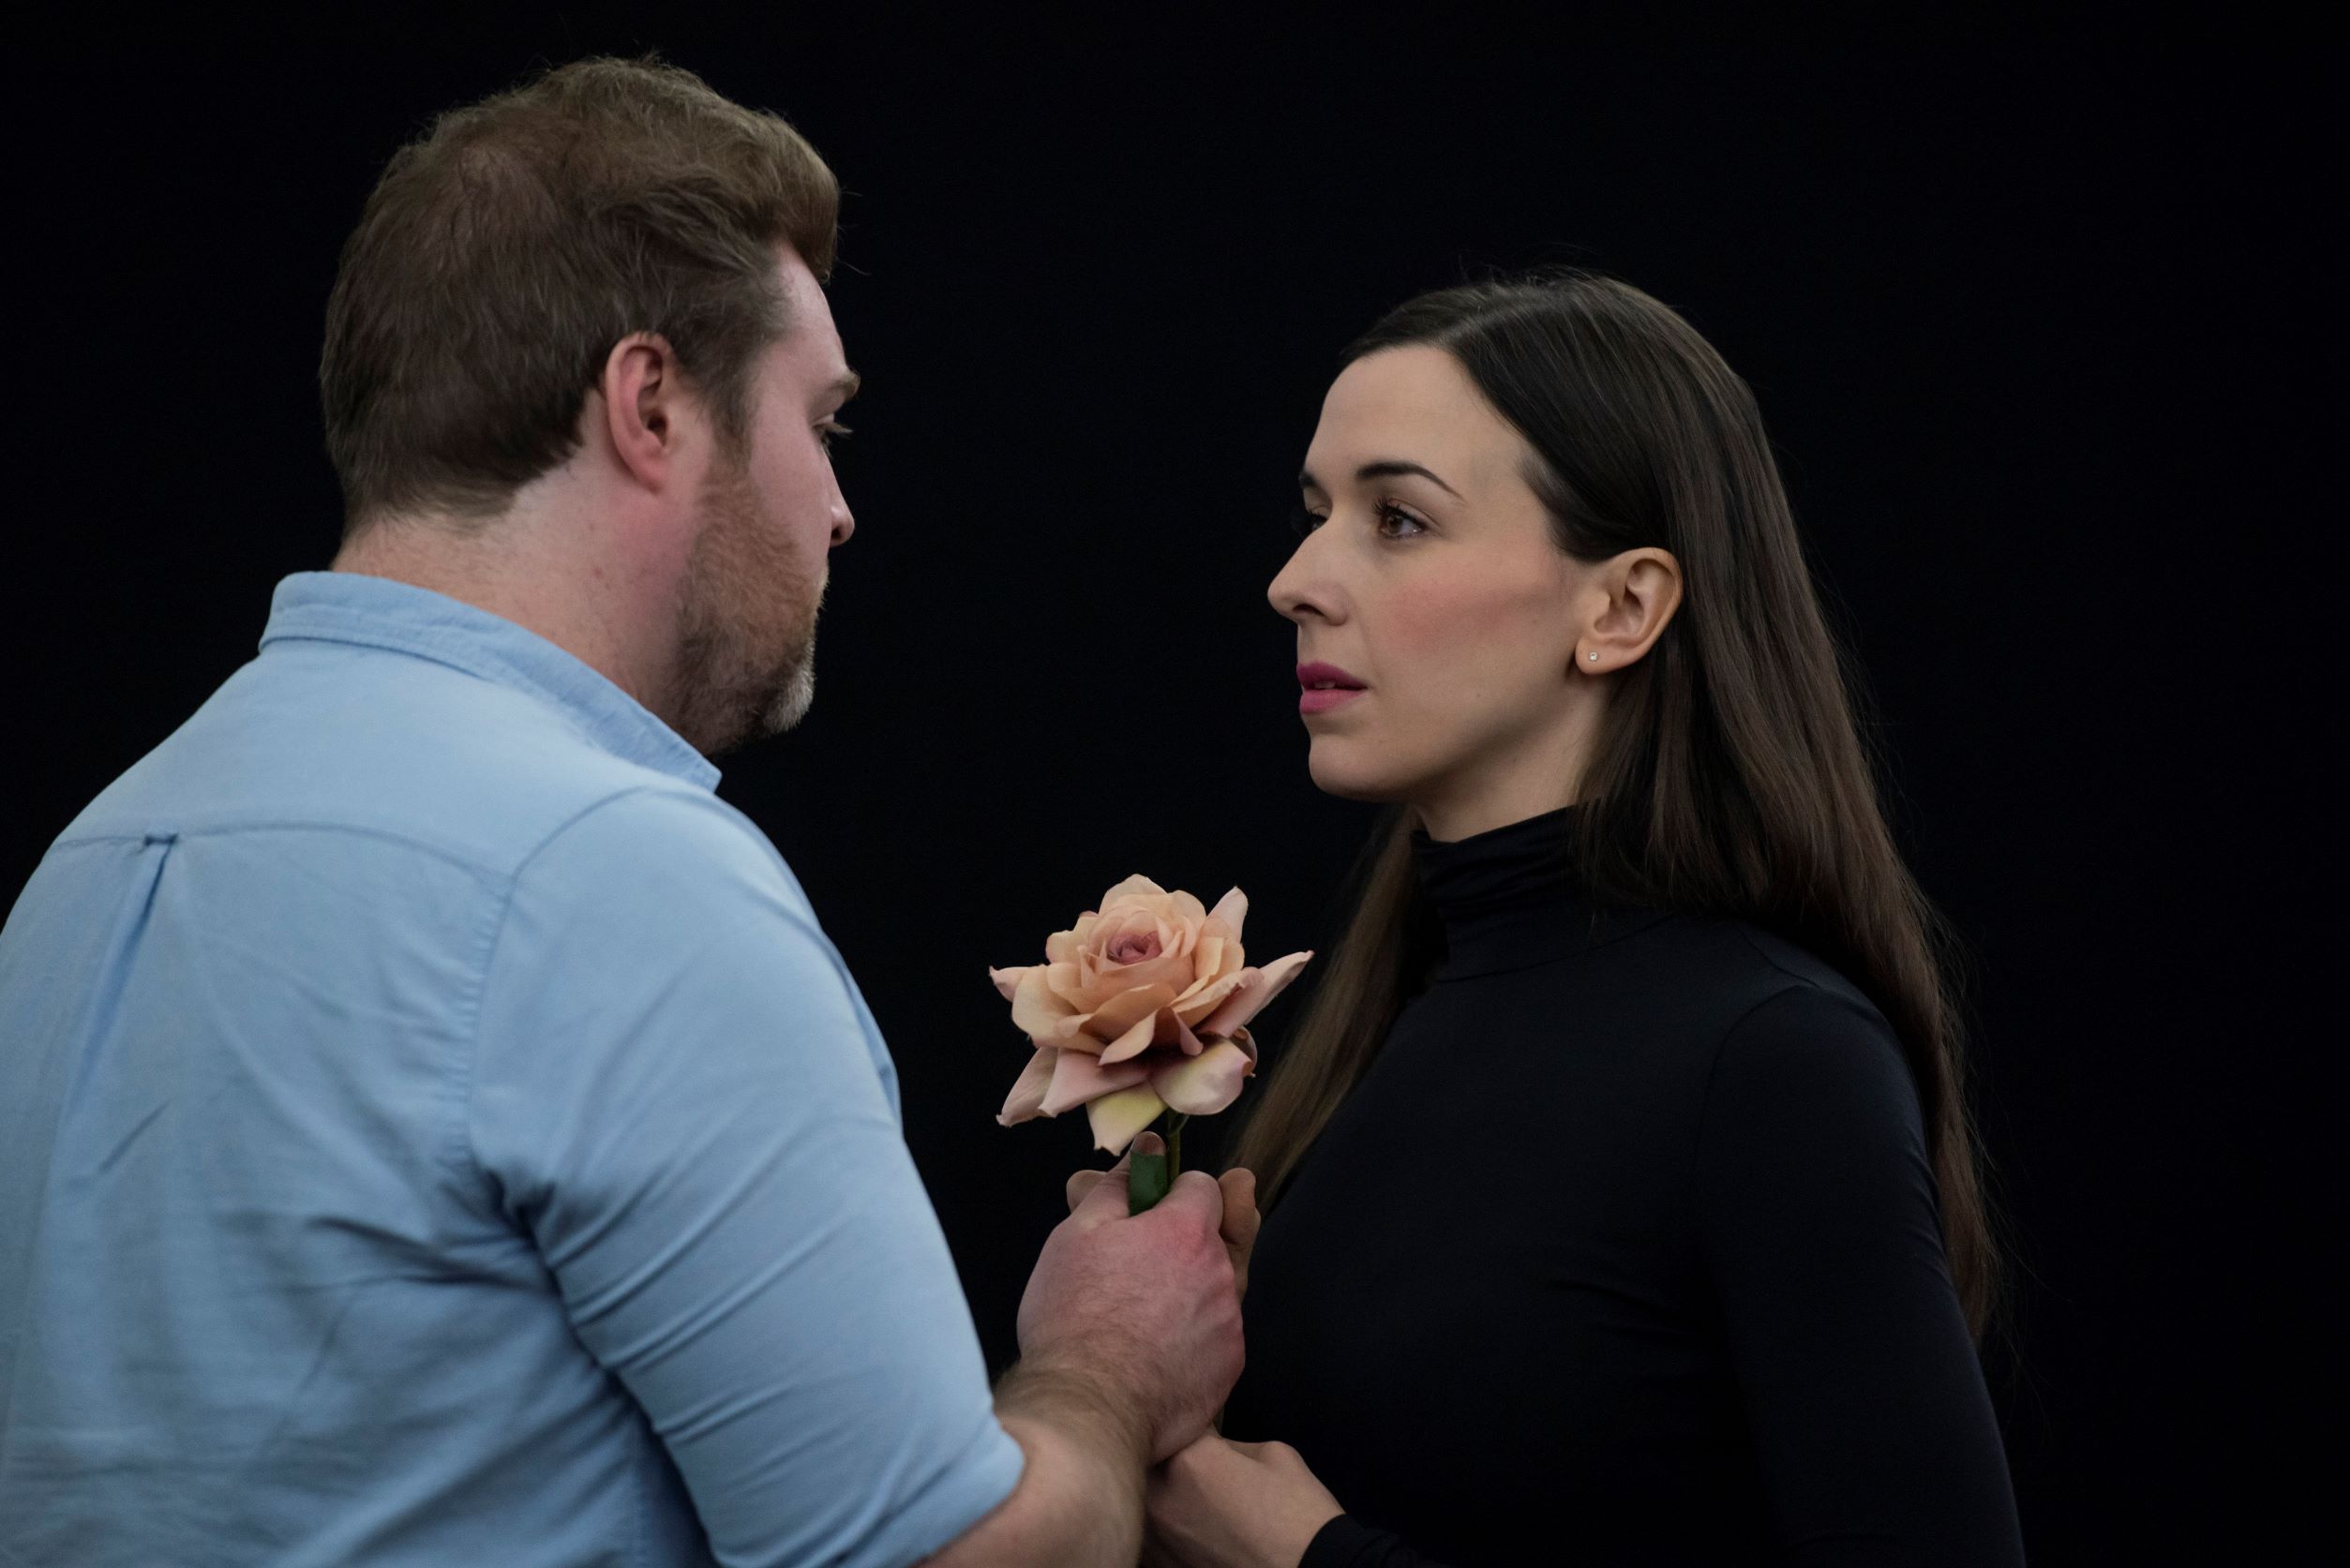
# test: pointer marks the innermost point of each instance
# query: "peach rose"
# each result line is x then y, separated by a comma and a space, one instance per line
1142, 1008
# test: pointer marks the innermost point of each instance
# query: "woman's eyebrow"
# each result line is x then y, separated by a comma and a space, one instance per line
1388, 468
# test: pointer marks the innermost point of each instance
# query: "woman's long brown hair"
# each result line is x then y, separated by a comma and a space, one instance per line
1727, 776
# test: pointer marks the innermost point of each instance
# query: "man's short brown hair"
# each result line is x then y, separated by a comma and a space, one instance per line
506, 251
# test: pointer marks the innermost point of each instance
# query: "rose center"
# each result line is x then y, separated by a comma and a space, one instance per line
1134, 948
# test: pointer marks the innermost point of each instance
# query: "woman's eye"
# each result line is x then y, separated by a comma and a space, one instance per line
1390, 520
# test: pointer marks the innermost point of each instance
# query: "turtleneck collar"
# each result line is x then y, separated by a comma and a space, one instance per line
1510, 899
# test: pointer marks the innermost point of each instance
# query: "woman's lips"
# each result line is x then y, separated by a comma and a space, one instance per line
1327, 686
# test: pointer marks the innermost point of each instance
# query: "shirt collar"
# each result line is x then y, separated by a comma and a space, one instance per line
1512, 898
377, 612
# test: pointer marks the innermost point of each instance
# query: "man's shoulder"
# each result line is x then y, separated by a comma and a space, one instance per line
663, 846
401, 751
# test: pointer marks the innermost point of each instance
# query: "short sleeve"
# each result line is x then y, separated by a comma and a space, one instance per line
1860, 1380
679, 1094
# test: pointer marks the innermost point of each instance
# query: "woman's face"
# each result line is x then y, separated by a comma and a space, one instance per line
1430, 583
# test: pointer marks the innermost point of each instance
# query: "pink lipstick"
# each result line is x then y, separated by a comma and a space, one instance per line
1327, 686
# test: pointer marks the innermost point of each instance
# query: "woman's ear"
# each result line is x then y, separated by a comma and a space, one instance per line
1641, 590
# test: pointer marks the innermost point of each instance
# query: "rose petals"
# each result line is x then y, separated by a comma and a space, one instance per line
1204, 1084
1173, 1032
1135, 947
1132, 1044
1121, 1012
1036, 1010
1136, 886
1117, 1118
1078, 1079
1260, 987
1142, 1004
1171, 970
1028, 1095
1232, 909
1068, 982
1195, 1007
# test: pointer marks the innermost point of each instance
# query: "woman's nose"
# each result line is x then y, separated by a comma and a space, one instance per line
1296, 592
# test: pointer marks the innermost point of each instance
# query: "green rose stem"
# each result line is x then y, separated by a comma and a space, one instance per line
1148, 1177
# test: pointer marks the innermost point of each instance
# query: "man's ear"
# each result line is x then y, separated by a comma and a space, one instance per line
642, 397
1641, 591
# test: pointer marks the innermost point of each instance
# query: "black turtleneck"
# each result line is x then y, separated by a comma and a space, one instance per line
1624, 1250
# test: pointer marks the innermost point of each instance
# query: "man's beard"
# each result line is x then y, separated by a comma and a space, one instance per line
746, 624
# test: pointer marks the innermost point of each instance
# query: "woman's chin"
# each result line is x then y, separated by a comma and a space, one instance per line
1345, 777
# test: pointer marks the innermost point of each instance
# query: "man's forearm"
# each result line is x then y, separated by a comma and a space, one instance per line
1079, 1503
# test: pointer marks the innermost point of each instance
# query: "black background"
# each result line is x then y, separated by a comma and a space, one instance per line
2036, 319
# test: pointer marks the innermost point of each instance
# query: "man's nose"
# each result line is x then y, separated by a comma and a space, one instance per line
843, 524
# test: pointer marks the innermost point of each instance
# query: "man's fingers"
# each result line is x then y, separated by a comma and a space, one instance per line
1237, 1188
1196, 1191
1240, 1201
1106, 1198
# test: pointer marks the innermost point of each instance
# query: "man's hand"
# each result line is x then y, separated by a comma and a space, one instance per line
1240, 1221
1143, 1305
1222, 1504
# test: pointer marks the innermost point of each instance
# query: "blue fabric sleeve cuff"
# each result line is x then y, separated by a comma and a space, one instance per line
974, 1487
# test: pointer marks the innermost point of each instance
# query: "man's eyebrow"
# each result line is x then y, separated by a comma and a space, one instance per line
1390, 468
846, 386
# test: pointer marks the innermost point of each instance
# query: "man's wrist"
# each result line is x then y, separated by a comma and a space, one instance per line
1087, 1453
1062, 1392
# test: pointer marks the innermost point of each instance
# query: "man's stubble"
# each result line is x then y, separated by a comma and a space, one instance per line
746, 624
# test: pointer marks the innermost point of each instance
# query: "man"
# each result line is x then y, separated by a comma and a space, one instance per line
433, 1127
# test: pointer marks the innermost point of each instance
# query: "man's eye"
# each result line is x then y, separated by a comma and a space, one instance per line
832, 433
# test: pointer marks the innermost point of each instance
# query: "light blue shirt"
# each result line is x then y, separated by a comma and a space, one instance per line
435, 1129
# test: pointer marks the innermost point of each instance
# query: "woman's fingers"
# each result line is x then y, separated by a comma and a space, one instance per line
1239, 1227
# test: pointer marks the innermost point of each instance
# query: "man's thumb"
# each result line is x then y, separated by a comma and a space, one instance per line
1107, 1201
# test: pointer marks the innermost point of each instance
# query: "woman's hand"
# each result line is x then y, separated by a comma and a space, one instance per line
1218, 1504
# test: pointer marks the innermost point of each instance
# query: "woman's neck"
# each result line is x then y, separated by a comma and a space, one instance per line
1540, 771
1449, 817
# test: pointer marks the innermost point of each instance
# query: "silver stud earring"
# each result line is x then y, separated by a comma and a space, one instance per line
1593, 657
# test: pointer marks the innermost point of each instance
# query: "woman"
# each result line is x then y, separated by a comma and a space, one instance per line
1619, 1198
